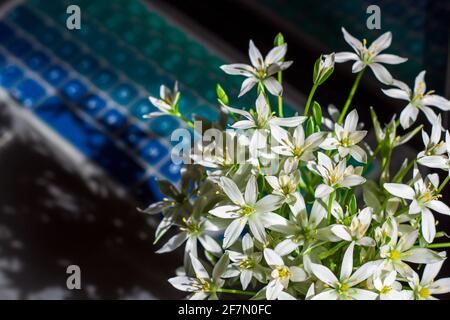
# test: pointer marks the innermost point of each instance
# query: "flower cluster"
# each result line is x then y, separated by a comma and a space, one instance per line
300, 218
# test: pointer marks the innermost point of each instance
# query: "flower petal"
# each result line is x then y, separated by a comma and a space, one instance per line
233, 231
341, 57
400, 190
273, 259
273, 86
381, 73
232, 191
173, 243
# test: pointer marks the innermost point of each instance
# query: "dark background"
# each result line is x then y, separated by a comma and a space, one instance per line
50, 217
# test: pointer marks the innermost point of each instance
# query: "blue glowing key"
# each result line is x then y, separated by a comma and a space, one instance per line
28, 92
133, 136
123, 94
114, 120
171, 170
37, 60
10, 75
86, 64
164, 125
74, 90
92, 104
55, 75
141, 108
90, 141
68, 51
153, 152
104, 79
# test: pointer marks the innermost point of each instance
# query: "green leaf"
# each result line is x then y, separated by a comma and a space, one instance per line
317, 113
309, 127
353, 205
376, 125
221, 95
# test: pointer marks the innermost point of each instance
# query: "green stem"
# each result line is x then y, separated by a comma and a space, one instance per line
350, 96
280, 98
435, 245
402, 173
186, 120
332, 251
444, 183
233, 291
310, 97
330, 204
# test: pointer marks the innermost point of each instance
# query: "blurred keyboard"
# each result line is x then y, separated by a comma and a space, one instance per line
91, 85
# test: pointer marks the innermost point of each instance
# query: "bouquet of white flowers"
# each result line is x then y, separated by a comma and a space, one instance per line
283, 207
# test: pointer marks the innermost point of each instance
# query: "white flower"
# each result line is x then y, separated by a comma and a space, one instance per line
262, 121
425, 288
192, 231
202, 286
223, 155
168, 104
397, 252
438, 161
281, 275
245, 264
433, 144
343, 288
418, 99
286, 184
424, 197
371, 56
324, 68
263, 118
357, 229
295, 145
346, 139
245, 209
303, 229
261, 70
334, 175
388, 288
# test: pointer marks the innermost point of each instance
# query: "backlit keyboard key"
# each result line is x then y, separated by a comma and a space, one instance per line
104, 79
141, 108
171, 171
153, 152
28, 92
86, 64
133, 136
68, 51
164, 125
114, 120
92, 104
74, 90
123, 94
37, 60
10, 75
55, 75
